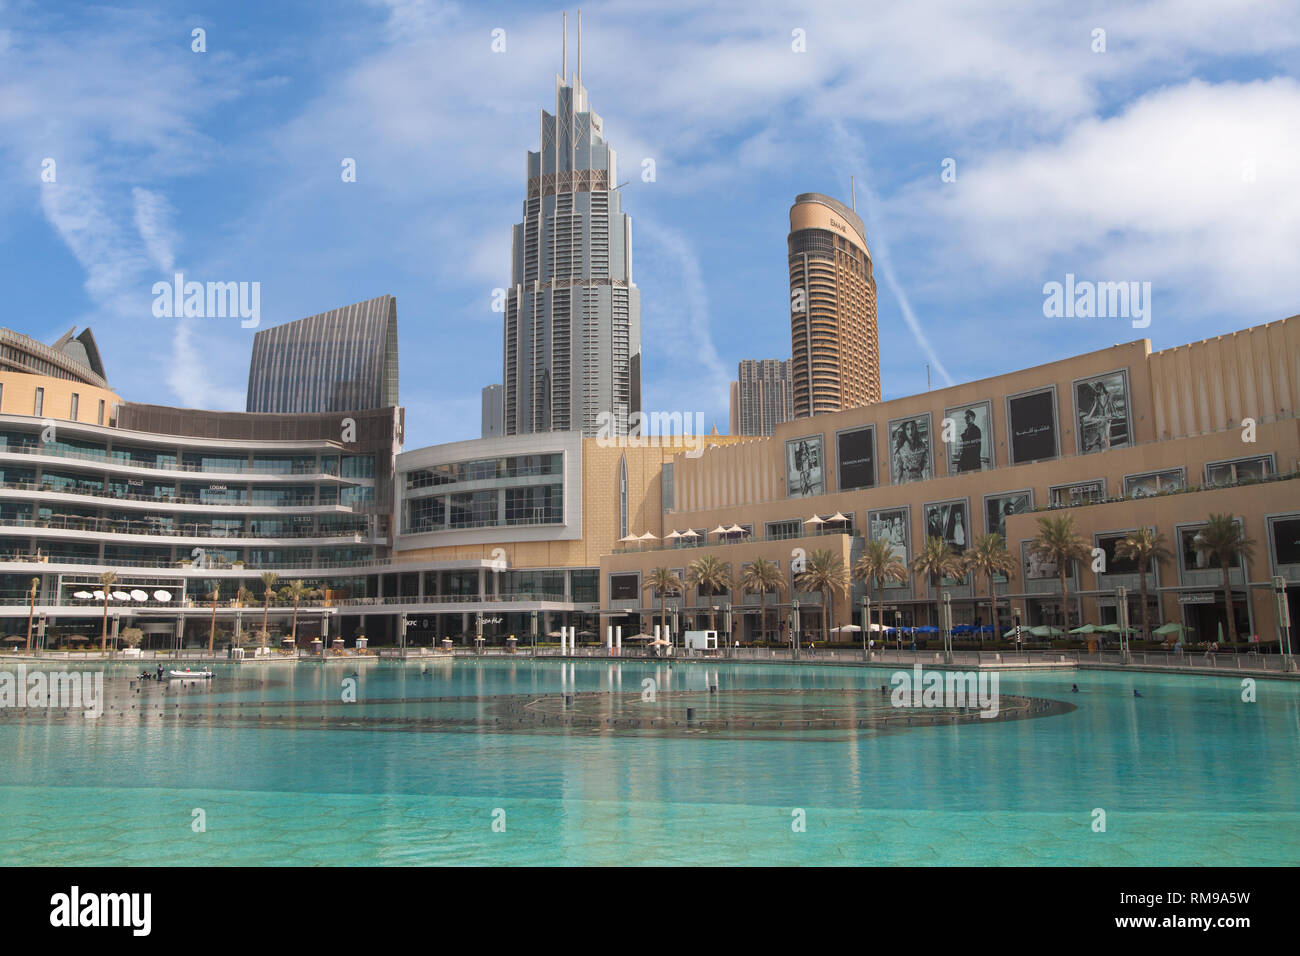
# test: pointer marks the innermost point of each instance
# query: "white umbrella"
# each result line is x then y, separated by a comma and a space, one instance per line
836, 517
628, 539
846, 627
815, 519
162, 595
735, 529
138, 595
673, 535
649, 536
718, 530
98, 595
83, 595
690, 533
121, 596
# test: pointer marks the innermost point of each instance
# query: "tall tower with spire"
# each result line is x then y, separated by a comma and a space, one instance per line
572, 356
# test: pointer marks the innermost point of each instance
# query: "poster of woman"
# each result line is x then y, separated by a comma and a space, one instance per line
891, 525
909, 443
803, 467
1101, 412
947, 520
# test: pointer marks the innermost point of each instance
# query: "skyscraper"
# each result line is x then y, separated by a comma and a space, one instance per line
572, 356
337, 361
834, 342
760, 396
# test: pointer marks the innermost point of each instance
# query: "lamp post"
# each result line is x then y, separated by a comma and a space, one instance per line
1121, 607
532, 628
866, 624
794, 625
1016, 612
727, 624
947, 628
1283, 621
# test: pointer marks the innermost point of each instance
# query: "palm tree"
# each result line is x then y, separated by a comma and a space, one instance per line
1057, 542
711, 575
1225, 539
989, 556
296, 591
665, 582
212, 630
935, 561
106, 581
824, 571
31, 612
877, 565
1146, 546
762, 575
269, 579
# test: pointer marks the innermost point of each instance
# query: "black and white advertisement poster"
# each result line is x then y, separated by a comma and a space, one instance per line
968, 436
909, 449
856, 453
804, 473
1101, 412
891, 525
947, 520
1032, 418
997, 508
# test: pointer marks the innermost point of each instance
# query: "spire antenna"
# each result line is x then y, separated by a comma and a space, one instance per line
564, 49
579, 49
853, 190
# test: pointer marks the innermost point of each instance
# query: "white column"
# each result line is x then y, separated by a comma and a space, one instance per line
609, 637
618, 637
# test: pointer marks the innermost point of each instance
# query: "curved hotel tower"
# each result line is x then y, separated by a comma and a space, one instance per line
833, 337
572, 313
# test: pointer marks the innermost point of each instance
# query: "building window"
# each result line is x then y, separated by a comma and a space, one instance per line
38, 407
76, 402
1082, 493
1154, 483
1239, 470
622, 497
101, 411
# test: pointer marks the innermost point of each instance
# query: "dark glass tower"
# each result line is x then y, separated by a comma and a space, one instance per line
338, 361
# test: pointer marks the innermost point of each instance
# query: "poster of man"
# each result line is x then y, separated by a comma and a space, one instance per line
968, 433
803, 467
947, 520
909, 443
998, 507
1101, 412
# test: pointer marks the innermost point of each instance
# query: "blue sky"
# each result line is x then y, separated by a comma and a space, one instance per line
1169, 158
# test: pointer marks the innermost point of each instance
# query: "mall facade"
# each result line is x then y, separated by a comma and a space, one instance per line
523, 534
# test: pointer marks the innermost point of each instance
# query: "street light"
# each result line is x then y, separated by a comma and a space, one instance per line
866, 622
794, 625
1283, 621
1121, 606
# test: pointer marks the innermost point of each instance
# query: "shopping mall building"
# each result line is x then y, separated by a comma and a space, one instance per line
506, 534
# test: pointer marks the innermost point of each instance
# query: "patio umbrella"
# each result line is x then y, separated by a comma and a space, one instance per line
719, 530
638, 637
1046, 630
163, 596
846, 627
82, 595
1010, 633
659, 642
1107, 629
628, 539
927, 629
815, 519
1171, 628
1086, 629
15, 639
735, 529
649, 536
138, 595
1220, 637
672, 536
690, 533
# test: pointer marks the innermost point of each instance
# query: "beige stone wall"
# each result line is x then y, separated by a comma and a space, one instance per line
18, 396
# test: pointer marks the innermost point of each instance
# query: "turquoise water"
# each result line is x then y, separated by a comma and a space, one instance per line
1187, 775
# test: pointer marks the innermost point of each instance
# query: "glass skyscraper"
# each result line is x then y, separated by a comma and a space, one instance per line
572, 350
337, 361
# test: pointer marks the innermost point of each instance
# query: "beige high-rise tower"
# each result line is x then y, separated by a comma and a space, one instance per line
834, 344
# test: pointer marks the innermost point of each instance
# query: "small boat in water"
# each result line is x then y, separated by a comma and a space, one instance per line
188, 674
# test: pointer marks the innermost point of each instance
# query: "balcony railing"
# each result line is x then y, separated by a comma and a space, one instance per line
210, 564
108, 458
161, 499
181, 530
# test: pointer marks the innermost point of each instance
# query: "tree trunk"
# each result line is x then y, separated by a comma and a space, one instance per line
1065, 603
103, 636
1146, 612
30, 615
266, 611
993, 609
294, 632
1225, 561
826, 612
